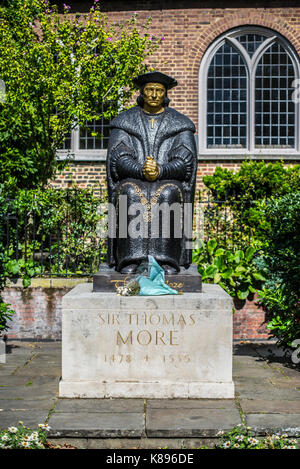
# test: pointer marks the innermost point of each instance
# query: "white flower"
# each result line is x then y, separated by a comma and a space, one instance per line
12, 429
5, 437
291, 447
284, 435
44, 426
220, 433
226, 444
25, 444
253, 441
240, 437
33, 436
294, 442
275, 437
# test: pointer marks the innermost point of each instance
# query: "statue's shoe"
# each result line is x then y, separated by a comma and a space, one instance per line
169, 270
129, 269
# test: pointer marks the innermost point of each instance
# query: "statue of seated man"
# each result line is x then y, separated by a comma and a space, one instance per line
151, 165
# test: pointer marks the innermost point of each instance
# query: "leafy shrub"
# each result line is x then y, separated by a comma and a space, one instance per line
254, 182
45, 232
52, 231
5, 315
281, 294
61, 70
235, 271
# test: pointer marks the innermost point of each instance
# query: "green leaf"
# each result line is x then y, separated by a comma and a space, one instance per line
249, 253
242, 295
211, 271
238, 256
227, 273
219, 263
259, 276
12, 267
219, 252
211, 246
26, 282
217, 278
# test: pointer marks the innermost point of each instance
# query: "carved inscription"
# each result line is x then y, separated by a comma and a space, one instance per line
166, 330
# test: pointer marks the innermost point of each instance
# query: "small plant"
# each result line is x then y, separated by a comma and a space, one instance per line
5, 315
241, 437
234, 271
22, 437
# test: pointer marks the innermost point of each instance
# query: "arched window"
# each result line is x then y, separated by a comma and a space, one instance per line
247, 104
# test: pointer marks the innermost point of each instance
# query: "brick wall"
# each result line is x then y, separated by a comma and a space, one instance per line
91, 174
188, 29
38, 312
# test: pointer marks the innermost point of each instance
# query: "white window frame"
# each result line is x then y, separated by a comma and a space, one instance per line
251, 64
74, 153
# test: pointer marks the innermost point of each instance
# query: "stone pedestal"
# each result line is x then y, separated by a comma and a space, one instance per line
187, 280
177, 346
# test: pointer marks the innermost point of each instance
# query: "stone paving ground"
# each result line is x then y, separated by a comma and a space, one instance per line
267, 399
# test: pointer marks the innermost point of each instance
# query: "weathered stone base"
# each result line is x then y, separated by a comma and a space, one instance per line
154, 390
147, 347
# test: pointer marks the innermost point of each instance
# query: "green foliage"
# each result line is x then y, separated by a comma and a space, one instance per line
49, 230
255, 182
59, 231
281, 294
5, 315
59, 70
235, 271
22, 437
241, 437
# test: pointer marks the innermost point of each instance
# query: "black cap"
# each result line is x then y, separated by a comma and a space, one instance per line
155, 77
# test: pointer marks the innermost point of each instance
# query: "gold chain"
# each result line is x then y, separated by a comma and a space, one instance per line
147, 216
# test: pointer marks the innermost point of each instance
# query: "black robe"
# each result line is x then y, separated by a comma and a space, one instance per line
174, 150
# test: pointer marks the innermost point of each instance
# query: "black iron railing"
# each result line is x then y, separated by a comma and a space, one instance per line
63, 232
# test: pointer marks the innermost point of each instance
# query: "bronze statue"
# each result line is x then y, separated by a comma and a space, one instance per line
152, 162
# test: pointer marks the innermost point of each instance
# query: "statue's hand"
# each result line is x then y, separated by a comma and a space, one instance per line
151, 169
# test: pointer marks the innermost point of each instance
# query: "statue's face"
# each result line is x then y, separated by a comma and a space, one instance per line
154, 94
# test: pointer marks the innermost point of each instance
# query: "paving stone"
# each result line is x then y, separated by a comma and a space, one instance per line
257, 388
286, 383
26, 404
31, 418
97, 425
257, 406
41, 388
197, 404
267, 393
100, 405
272, 423
38, 370
253, 370
196, 422
293, 373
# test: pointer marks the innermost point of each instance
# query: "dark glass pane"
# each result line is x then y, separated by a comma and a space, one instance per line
91, 135
251, 42
274, 75
227, 89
